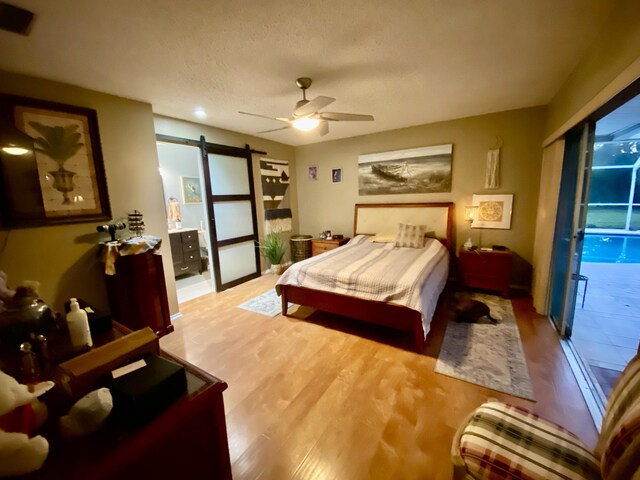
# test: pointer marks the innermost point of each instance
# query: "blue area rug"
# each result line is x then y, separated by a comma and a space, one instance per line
269, 303
485, 354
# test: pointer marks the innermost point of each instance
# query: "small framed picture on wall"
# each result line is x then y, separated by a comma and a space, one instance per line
313, 173
336, 175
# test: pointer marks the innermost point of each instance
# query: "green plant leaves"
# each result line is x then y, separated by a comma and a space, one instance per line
273, 248
58, 143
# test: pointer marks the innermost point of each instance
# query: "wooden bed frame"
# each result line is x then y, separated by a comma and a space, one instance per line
380, 218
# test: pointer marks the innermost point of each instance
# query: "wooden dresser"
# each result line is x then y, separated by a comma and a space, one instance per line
319, 246
138, 293
485, 270
186, 440
185, 251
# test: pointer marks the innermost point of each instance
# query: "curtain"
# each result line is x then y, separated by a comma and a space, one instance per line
545, 223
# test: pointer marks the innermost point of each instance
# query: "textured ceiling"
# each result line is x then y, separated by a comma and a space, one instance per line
407, 62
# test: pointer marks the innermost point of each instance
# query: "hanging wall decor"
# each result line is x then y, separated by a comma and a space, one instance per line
414, 170
191, 190
59, 177
494, 211
275, 183
492, 174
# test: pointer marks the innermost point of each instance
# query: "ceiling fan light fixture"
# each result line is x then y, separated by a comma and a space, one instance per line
305, 124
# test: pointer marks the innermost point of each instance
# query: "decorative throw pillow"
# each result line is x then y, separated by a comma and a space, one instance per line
410, 235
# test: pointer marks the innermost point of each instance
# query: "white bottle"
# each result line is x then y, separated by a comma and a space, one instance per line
78, 324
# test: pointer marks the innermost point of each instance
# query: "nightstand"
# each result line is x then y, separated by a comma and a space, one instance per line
486, 270
319, 246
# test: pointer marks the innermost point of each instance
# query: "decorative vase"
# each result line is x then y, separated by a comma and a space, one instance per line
63, 182
25, 314
277, 269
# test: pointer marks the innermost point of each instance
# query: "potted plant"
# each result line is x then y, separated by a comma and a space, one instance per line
272, 247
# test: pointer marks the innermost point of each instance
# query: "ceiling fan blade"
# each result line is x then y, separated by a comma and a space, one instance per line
275, 129
313, 106
345, 117
265, 116
323, 128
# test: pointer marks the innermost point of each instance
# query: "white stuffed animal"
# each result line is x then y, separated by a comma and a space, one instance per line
20, 454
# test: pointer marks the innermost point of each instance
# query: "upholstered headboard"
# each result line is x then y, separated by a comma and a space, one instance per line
383, 218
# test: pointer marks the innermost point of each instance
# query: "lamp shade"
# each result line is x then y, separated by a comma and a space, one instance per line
470, 213
12, 140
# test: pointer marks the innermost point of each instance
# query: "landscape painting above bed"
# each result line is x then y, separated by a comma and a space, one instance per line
413, 170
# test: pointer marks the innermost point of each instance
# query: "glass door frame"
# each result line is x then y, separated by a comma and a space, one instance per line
579, 145
207, 148
570, 225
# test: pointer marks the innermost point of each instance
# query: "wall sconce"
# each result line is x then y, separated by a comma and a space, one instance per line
470, 214
12, 140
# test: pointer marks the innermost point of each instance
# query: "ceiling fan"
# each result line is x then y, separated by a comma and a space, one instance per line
307, 116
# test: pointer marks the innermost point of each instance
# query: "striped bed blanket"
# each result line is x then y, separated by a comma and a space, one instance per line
411, 277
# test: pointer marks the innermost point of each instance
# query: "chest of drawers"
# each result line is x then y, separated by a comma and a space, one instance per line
485, 270
185, 251
319, 246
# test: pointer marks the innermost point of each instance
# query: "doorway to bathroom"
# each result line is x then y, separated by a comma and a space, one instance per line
187, 222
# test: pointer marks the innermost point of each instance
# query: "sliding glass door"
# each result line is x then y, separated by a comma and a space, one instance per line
570, 225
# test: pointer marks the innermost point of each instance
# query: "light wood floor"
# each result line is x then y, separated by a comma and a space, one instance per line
325, 398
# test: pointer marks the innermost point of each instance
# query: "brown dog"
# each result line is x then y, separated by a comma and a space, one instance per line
468, 310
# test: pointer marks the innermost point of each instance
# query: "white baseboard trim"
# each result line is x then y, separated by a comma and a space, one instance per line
175, 316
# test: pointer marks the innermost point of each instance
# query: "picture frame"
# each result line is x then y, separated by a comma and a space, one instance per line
494, 211
313, 173
336, 175
61, 177
191, 190
408, 171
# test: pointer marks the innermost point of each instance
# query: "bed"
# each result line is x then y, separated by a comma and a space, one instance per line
328, 281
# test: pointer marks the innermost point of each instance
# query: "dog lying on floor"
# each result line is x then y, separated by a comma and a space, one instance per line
468, 310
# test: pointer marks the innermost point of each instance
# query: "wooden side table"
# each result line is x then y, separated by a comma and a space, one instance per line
486, 270
319, 246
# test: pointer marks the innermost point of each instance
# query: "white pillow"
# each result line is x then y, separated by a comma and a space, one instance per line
388, 238
410, 235
358, 239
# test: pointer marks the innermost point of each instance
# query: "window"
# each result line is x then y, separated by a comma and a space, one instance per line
614, 196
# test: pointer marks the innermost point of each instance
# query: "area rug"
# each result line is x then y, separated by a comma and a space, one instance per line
269, 303
486, 354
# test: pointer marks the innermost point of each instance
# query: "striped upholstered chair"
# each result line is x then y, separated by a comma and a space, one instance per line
500, 441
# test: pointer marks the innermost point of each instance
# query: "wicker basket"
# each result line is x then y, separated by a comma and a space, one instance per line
300, 247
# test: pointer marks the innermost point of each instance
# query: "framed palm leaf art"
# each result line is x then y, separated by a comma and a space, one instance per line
51, 165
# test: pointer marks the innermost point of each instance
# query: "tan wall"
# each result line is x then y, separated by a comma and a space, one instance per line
64, 259
327, 206
612, 61
277, 151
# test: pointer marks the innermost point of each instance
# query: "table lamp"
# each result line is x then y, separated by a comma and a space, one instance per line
470, 214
